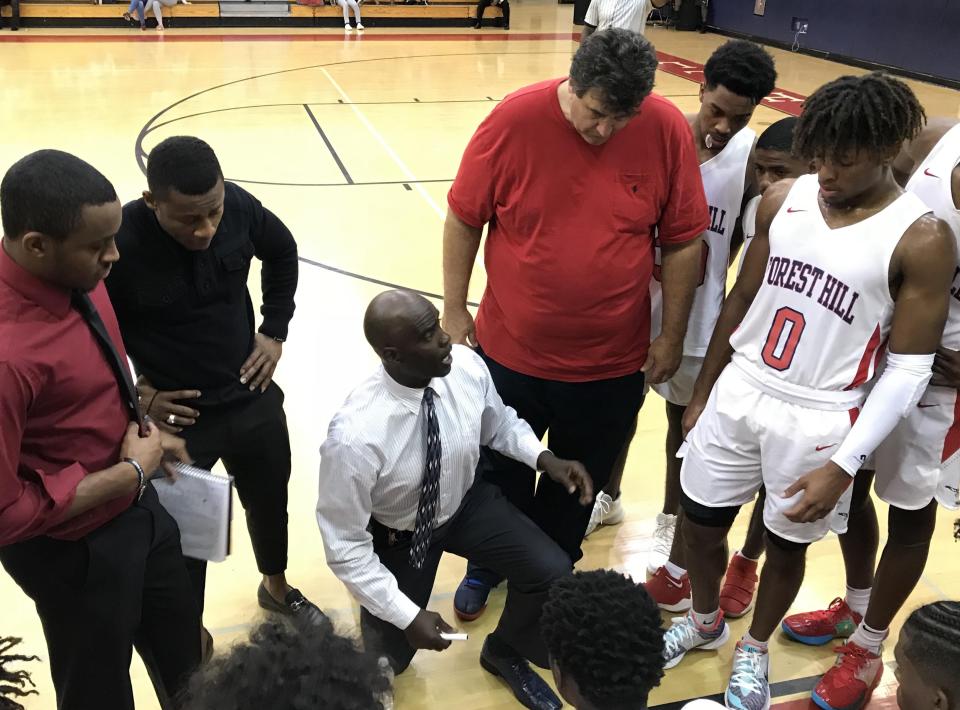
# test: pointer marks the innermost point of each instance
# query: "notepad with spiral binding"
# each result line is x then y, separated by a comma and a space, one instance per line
202, 504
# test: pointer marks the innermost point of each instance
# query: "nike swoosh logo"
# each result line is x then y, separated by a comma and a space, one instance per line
791, 210
929, 174
924, 406
821, 448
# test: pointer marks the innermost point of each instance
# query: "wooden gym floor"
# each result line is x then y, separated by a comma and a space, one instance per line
353, 142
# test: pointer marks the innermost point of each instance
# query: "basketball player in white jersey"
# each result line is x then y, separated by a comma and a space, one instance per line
773, 161
737, 77
916, 466
844, 263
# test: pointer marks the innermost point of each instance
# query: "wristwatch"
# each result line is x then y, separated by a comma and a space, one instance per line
141, 476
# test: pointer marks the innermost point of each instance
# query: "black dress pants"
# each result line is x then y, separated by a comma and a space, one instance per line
504, 8
251, 439
123, 585
488, 529
584, 421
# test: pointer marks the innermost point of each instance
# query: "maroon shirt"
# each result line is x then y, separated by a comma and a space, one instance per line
62, 414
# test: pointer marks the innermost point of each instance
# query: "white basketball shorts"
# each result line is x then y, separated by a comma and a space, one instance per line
679, 388
747, 437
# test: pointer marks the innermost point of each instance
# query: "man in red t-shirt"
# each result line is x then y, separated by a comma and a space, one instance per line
574, 176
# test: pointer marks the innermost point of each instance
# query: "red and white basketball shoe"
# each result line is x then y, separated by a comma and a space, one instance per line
850, 683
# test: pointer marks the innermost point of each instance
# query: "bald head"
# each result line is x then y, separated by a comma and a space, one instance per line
389, 313
404, 329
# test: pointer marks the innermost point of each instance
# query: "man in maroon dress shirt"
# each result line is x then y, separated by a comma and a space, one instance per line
81, 532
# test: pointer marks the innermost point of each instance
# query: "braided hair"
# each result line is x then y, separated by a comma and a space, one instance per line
13, 684
874, 113
603, 630
933, 645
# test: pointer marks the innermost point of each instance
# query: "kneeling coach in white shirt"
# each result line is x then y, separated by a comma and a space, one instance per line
397, 490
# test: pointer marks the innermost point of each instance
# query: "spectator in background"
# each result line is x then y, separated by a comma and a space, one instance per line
136, 6
158, 12
484, 4
625, 14
284, 667
15, 14
346, 5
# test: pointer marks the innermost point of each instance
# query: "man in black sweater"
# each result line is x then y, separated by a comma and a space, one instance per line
205, 370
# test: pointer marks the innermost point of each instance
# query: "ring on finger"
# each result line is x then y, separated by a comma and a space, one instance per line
171, 420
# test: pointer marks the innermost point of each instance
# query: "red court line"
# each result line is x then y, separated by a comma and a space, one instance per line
330, 36
788, 102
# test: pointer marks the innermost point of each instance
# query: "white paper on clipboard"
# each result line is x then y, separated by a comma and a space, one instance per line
201, 503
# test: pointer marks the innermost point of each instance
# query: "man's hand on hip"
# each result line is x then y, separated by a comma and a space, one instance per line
163, 407
822, 489
425, 629
259, 368
570, 474
663, 359
458, 323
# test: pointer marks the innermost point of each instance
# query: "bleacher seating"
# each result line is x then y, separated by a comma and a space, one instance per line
209, 13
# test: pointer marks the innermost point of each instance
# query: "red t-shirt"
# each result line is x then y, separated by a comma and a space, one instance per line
569, 253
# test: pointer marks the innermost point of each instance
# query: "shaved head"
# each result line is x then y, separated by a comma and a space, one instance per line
404, 329
388, 313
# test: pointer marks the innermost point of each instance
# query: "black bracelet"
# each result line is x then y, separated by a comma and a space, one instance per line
147, 410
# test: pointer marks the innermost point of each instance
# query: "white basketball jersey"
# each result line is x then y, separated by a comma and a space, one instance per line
824, 310
723, 181
932, 183
749, 223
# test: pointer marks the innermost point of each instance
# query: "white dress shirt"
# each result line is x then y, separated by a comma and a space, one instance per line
625, 14
372, 464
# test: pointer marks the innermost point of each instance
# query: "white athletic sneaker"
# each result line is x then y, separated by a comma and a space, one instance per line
683, 635
347, 28
607, 510
662, 542
749, 688
360, 27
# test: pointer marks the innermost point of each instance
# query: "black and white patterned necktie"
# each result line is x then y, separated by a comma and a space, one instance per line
429, 487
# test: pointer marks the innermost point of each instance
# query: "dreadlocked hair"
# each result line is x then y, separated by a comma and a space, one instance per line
13, 684
603, 630
874, 113
933, 645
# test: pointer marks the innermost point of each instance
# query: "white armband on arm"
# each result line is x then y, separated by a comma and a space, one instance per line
896, 393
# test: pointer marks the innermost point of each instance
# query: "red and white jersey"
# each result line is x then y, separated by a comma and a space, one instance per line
723, 176
823, 312
932, 183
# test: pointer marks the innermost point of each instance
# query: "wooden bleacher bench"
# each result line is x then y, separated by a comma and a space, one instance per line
206, 13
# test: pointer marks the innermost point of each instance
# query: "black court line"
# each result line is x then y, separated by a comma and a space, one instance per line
777, 690
330, 147
370, 279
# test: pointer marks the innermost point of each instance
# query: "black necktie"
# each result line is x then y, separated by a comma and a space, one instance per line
85, 307
429, 487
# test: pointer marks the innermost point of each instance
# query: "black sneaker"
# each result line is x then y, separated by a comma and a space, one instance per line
294, 605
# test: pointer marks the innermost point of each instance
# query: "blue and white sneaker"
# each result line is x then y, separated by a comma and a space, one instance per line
684, 635
749, 688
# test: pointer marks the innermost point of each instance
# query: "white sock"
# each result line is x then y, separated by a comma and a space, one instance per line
751, 641
858, 599
868, 638
738, 553
674, 571
705, 621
